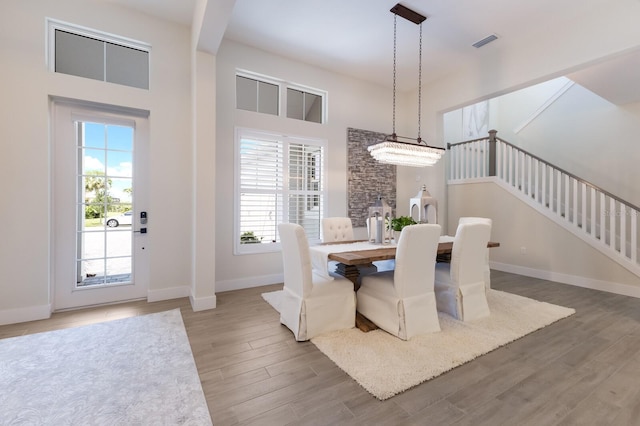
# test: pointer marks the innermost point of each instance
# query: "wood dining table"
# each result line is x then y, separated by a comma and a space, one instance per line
350, 260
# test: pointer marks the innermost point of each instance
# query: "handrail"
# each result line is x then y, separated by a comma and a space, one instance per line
450, 145
571, 175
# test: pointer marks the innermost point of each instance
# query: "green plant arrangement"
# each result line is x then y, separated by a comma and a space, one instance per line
249, 237
397, 223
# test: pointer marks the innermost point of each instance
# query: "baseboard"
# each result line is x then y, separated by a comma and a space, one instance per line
202, 303
168, 293
31, 313
229, 285
609, 287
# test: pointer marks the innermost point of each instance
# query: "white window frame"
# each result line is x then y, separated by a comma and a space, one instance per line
240, 133
322, 93
50, 41
263, 79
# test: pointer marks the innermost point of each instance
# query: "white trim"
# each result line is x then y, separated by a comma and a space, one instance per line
54, 24
488, 179
259, 281
607, 286
544, 106
51, 25
306, 89
168, 293
202, 303
30, 313
260, 77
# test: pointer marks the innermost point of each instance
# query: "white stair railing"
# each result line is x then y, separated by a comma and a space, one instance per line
598, 217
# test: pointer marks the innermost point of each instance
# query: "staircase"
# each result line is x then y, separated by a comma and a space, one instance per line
598, 217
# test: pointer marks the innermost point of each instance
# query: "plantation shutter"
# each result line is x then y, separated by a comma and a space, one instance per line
280, 181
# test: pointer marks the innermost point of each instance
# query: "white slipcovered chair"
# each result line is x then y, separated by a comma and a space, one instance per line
487, 268
337, 229
402, 302
311, 304
459, 285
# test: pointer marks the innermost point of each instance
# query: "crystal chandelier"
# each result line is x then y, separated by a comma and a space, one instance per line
392, 150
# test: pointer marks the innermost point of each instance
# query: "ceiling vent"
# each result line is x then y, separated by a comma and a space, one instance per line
486, 40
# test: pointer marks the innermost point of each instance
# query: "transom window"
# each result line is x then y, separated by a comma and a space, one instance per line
279, 180
303, 105
99, 56
263, 94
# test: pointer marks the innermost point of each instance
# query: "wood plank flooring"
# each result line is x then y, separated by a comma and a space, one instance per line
583, 370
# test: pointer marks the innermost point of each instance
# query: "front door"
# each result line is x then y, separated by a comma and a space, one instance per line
100, 213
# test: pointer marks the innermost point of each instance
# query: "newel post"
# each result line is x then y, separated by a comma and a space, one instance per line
492, 152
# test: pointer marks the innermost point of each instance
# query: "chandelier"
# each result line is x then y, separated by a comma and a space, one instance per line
392, 150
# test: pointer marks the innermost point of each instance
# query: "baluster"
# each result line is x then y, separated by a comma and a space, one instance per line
517, 166
559, 194
498, 148
583, 213
612, 223
454, 156
536, 182
477, 159
457, 164
509, 163
529, 176
575, 202
549, 185
485, 157
470, 159
467, 161
593, 213
634, 235
543, 183
603, 219
567, 210
623, 230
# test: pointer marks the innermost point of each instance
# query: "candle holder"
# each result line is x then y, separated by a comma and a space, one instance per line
378, 222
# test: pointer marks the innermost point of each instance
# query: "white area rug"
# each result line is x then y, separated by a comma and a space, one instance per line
385, 365
133, 371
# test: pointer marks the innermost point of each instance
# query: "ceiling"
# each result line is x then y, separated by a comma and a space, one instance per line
355, 37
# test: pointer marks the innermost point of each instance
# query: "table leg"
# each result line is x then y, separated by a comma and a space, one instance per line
353, 274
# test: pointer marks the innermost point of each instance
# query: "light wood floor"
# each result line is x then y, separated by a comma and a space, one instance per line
583, 370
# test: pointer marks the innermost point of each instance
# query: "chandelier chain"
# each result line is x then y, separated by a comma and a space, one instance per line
420, 83
395, 25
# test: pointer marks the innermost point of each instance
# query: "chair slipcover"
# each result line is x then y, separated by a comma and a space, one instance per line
459, 285
311, 305
402, 302
336, 229
487, 268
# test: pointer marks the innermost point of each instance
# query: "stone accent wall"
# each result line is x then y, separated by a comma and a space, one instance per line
367, 179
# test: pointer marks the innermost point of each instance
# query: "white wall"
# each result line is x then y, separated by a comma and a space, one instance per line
550, 252
25, 168
591, 138
595, 33
351, 103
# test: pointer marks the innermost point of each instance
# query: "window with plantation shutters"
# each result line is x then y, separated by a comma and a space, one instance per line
279, 180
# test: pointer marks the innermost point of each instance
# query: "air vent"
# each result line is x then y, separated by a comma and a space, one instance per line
486, 40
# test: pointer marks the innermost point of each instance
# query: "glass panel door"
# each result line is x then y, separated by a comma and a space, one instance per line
100, 172
104, 204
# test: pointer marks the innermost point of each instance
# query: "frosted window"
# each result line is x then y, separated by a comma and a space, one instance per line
100, 59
